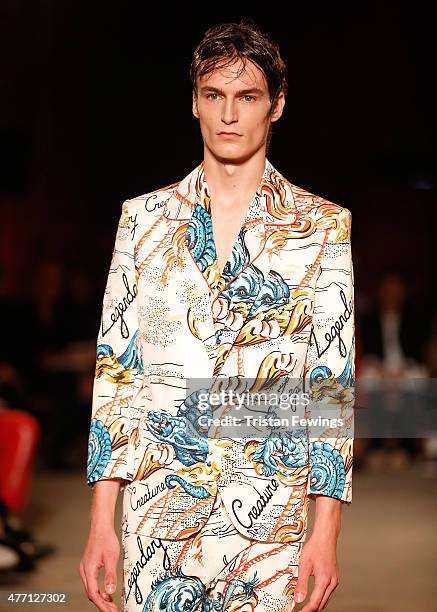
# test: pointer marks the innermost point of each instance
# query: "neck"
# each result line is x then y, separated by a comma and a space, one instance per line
233, 182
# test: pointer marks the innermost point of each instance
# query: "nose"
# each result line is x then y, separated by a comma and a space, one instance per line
229, 113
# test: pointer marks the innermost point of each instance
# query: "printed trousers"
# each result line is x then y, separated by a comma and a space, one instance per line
214, 570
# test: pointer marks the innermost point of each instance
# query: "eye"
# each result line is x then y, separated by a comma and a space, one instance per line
249, 96
211, 94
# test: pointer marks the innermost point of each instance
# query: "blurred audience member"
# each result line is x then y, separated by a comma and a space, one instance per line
394, 333
70, 362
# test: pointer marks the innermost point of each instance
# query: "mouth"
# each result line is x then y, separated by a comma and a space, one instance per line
229, 134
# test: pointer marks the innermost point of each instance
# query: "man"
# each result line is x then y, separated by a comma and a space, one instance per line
234, 280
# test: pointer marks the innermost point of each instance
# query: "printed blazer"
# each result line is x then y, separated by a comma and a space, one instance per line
281, 310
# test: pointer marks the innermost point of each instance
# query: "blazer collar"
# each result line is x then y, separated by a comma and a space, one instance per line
273, 203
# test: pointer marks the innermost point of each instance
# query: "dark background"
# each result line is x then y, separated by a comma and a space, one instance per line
96, 108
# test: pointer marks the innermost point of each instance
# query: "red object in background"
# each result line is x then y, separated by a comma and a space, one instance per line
19, 436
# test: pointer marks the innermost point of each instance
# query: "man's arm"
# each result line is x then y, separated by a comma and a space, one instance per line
330, 366
330, 379
118, 371
118, 377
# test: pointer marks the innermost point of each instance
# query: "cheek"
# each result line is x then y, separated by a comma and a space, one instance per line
256, 120
256, 129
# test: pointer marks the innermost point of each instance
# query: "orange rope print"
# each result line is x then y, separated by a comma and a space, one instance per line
283, 517
308, 276
119, 459
242, 562
195, 542
240, 362
163, 512
145, 261
147, 234
184, 200
260, 557
200, 503
111, 404
275, 576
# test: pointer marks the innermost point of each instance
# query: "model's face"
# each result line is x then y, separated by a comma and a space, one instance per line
233, 111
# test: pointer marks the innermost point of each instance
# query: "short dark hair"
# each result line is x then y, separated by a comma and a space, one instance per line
224, 43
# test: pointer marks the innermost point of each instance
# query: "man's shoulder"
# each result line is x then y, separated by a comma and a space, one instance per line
308, 202
151, 201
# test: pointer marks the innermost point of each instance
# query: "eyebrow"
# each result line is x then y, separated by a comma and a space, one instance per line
239, 93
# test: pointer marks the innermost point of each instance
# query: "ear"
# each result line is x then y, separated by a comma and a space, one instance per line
279, 107
194, 106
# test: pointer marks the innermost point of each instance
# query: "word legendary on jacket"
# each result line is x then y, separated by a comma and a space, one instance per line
280, 315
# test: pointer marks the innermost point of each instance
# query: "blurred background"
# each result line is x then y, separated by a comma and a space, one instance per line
95, 109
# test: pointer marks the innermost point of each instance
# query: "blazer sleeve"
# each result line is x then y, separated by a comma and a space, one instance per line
118, 370
330, 366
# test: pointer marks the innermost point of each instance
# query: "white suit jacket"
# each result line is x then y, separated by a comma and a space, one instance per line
280, 316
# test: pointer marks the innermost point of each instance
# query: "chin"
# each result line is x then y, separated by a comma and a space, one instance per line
230, 153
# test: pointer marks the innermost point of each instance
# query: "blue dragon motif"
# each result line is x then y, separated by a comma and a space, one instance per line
200, 239
291, 448
187, 436
99, 450
190, 446
328, 474
245, 287
129, 359
239, 591
176, 592
274, 293
197, 491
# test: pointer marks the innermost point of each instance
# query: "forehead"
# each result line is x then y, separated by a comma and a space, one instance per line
236, 75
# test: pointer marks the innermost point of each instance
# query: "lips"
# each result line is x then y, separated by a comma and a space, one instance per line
228, 134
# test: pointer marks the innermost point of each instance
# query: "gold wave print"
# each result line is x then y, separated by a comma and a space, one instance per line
276, 239
326, 217
153, 458
330, 387
116, 431
273, 367
174, 256
232, 383
114, 371
275, 195
248, 603
193, 325
290, 533
293, 532
184, 534
346, 452
201, 474
223, 351
291, 318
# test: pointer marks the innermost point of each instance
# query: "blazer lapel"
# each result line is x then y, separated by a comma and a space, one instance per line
235, 294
